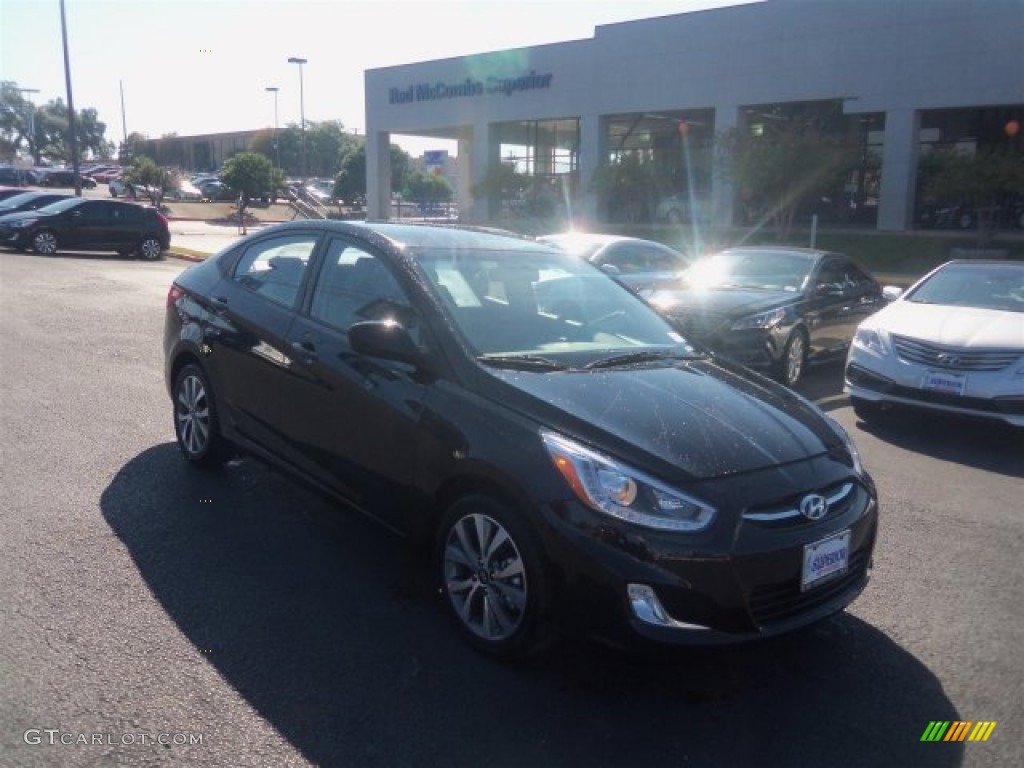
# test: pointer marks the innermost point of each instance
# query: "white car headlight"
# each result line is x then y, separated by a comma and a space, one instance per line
611, 487
871, 340
768, 319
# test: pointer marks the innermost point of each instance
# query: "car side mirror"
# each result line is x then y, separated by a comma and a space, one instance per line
387, 340
829, 289
891, 292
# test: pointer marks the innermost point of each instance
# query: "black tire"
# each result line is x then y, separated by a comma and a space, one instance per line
195, 419
790, 368
44, 242
497, 599
150, 249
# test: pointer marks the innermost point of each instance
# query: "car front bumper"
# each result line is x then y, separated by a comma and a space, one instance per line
630, 586
993, 395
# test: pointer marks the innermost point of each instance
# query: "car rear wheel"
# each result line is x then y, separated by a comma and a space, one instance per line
150, 249
790, 368
195, 419
492, 577
44, 243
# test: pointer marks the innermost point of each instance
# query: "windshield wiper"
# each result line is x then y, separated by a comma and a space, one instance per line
632, 358
522, 362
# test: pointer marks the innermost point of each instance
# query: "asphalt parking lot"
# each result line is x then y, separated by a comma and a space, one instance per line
141, 598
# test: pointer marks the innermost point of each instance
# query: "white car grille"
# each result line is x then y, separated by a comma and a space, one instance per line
953, 358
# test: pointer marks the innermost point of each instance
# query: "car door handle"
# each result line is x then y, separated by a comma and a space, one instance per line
306, 351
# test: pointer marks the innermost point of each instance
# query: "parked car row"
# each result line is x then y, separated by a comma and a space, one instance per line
47, 223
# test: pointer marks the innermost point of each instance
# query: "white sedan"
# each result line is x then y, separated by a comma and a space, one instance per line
953, 342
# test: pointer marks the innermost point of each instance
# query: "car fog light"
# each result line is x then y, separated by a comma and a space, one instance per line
646, 606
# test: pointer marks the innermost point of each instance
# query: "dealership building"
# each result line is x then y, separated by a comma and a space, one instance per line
894, 78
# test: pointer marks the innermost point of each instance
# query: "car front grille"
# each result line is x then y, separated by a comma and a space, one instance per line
841, 498
699, 327
953, 358
774, 603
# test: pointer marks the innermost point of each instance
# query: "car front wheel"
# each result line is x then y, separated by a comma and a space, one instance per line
44, 243
791, 367
195, 419
492, 577
150, 249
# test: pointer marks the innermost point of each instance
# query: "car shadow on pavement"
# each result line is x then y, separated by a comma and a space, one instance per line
328, 627
994, 447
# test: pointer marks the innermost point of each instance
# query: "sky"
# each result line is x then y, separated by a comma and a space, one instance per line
190, 67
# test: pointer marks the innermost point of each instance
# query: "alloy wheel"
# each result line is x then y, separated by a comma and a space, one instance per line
192, 413
794, 360
150, 249
485, 577
45, 243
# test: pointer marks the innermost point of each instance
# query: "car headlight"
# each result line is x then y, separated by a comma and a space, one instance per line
23, 223
768, 319
871, 340
858, 465
611, 487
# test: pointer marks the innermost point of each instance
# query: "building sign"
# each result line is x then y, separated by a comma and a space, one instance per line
434, 160
506, 86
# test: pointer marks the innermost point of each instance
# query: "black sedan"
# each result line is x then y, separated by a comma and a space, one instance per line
31, 200
770, 308
79, 224
636, 262
595, 472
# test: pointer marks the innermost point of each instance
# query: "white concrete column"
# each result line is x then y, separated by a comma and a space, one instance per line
899, 169
378, 175
728, 117
482, 152
463, 191
593, 152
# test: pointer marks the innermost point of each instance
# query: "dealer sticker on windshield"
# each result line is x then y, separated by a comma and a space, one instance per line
825, 559
943, 381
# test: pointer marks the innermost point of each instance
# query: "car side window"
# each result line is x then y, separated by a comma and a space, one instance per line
93, 212
833, 275
354, 286
274, 267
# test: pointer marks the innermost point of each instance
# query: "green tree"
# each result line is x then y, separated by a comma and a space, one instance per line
424, 187
502, 186
986, 182
154, 178
793, 158
252, 176
350, 182
626, 186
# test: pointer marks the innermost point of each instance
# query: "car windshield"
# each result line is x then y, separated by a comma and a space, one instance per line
62, 205
581, 246
984, 286
765, 270
544, 306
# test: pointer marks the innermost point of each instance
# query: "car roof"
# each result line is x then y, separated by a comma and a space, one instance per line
404, 236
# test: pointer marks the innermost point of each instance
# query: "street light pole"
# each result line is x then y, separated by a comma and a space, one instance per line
72, 120
277, 147
302, 112
31, 121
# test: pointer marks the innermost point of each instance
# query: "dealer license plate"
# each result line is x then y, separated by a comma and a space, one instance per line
943, 381
825, 559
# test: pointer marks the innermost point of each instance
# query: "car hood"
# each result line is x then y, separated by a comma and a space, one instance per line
732, 302
702, 417
952, 326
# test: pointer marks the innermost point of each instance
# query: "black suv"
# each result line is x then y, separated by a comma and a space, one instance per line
88, 225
